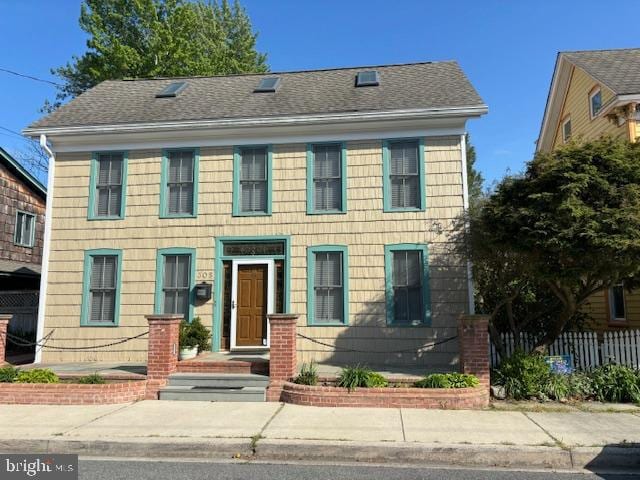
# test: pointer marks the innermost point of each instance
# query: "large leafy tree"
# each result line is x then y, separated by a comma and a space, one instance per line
569, 226
148, 38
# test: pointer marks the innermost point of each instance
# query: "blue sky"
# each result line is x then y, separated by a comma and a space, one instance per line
507, 48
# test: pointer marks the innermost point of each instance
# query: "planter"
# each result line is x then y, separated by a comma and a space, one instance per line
188, 352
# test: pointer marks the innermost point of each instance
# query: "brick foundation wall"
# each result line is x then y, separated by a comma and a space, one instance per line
282, 353
4, 324
72, 393
448, 398
473, 335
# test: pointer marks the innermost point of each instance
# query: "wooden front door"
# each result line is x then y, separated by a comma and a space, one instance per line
251, 317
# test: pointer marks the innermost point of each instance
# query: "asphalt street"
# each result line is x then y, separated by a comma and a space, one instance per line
91, 469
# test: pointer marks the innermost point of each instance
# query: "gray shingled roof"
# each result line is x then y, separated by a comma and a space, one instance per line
617, 69
19, 268
410, 86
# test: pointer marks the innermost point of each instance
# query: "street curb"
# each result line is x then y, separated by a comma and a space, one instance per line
415, 454
324, 451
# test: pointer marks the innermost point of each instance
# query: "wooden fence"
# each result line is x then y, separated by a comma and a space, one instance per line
586, 348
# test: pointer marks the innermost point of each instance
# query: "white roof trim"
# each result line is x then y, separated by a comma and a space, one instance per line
348, 117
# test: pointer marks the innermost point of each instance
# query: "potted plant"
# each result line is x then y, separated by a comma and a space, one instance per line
188, 342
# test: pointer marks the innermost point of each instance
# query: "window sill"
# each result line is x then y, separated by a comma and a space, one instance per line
252, 214
327, 212
618, 323
22, 245
185, 215
109, 325
400, 210
104, 218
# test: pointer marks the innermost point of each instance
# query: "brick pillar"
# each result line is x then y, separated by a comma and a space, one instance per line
473, 335
162, 354
283, 361
4, 325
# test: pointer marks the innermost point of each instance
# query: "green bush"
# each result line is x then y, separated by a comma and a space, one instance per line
8, 374
194, 334
580, 386
523, 376
616, 383
308, 375
359, 376
448, 380
556, 387
37, 375
94, 379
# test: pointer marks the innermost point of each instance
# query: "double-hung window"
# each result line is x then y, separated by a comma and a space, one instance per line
403, 175
327, 285
108, 183
326, 178
101, 290
175, 279
25, 229
595, 102
566, 130
252, 181
407, 285
179, 183
617, 307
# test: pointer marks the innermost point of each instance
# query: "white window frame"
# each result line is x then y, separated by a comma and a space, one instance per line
565, 137
31, 241
612, 316
591, 95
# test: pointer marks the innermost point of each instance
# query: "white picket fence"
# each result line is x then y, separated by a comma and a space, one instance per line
587, 350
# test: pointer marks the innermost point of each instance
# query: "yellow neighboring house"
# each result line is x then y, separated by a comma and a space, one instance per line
595, 93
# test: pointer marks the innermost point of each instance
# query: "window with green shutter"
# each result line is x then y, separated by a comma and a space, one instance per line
179, 183
176, 286
403, 165
252, 181
327, 284
407, 285
326, 178
108, 183
101, 287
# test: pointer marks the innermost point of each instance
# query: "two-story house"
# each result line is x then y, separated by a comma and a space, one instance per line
595, 93
328, 193
22, 208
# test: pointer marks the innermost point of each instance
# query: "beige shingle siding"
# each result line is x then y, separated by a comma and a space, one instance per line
364, 228
577, 106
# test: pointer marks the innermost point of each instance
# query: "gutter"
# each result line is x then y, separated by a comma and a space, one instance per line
46, 246
344, 117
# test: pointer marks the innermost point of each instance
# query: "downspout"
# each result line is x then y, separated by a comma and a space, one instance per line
465, 204
46, 246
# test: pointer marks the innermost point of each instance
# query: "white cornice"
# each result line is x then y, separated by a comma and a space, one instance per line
336, 118
190, 135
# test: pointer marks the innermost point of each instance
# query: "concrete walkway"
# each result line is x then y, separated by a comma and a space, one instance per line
574, 439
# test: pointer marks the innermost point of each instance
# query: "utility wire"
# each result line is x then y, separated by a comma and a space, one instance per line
17, 74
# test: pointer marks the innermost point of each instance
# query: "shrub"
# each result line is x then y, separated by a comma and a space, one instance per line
194, 334
94, 378
308, 375
37, 375
580, 386
556, 387
359, 376
8, 374
523, 376
201, 334
616, 383
448, 380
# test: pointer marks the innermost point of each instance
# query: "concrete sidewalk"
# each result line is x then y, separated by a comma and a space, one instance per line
272, 431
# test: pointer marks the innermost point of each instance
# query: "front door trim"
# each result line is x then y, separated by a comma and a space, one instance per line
234, 299
218, 275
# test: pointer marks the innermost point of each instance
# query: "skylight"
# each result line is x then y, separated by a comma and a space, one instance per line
368, 78
269, 84
171, 90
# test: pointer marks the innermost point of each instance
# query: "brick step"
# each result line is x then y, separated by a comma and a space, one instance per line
212, 394
230, 367
220, 380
